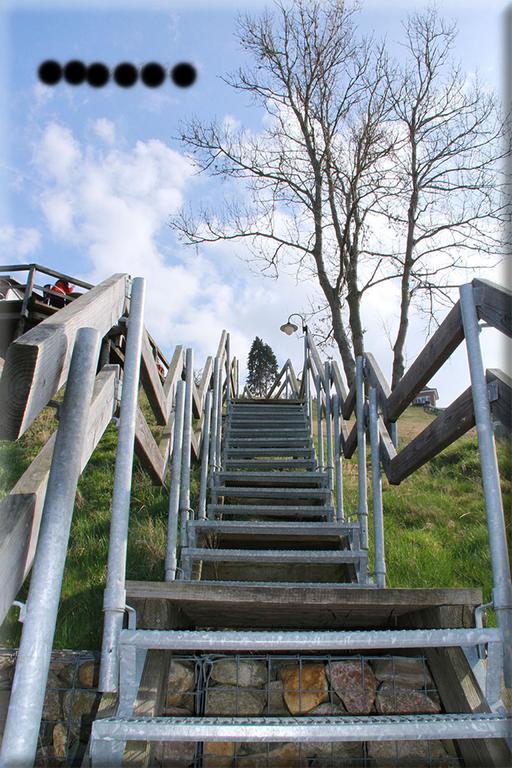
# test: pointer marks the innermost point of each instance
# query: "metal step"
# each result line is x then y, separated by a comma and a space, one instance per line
259, 528
252, 452
299, 729
257, 432
279, 556
282, 478
273, 420
283, 493
270, 511
276, 464
262, 442
261, 641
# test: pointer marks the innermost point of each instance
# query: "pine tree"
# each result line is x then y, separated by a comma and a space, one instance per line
262, 367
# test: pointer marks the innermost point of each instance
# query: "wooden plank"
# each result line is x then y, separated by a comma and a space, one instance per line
173, 375
293, 377
338, 382
378, 380
221, 349
502, 406
387, 450
458, 689
350, 402
494, 304
37, 363
451, 424
152, 383
316, 357
147, 450
206, 379
349, 444
444, 341
20, 512
277, 381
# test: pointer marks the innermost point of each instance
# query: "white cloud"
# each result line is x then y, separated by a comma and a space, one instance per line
16, 243
58, 154
105, 129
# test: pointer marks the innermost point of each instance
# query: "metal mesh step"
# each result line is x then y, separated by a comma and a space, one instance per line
280, 492
345, 728
272, 528
286, 478
298, 512
279, 556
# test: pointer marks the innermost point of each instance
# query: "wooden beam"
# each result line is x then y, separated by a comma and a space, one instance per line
494, 304
152, 383
206, 379
338, 382
221, 349
501, 400
350, 402
20, 512
387, 450
378, 380
147, 450
451, 424
277, 381
349, 442
444, 341
37, 364
293, 378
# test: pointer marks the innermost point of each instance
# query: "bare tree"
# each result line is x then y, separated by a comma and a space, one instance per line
449, 205
350, 143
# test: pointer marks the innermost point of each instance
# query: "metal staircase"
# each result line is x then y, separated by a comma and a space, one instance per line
270, 517
243, 530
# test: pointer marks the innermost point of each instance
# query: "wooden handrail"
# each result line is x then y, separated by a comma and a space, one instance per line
494, 304
37, 364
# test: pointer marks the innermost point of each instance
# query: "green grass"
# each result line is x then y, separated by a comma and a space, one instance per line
436, 534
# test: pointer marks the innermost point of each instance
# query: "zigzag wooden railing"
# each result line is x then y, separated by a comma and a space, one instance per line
286, 383
36, 367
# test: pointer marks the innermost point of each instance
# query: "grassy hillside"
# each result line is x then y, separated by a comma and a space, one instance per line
435, 526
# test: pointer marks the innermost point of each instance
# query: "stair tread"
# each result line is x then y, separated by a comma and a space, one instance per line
326, 728
312, 556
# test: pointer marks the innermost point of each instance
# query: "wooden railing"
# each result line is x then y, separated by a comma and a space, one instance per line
35, 369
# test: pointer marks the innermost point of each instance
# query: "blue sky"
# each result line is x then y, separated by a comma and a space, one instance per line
89, 177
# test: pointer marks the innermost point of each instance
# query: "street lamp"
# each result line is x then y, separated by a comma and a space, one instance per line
290, 327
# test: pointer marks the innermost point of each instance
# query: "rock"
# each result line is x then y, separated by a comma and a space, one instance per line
229, 700
355, 684
7, 664
276, 705
335, 753
180, 685
174, 754
392, 700
410, 753
328, 708
78, 708
60, 737
218, 754
285, 756
52, 708
88, 673
66, 672
304, 687
247, 673
406, 672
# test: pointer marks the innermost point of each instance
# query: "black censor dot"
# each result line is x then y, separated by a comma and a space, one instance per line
97, 75
152, 74
125, 75
75, 72
183, 75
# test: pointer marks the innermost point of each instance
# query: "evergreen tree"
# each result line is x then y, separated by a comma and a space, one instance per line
262, 367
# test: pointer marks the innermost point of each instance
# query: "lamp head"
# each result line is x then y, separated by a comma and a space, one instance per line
289, 328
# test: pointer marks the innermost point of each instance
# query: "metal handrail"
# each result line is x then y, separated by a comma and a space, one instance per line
20, 737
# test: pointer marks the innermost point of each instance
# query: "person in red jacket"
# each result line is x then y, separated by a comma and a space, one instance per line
62, 288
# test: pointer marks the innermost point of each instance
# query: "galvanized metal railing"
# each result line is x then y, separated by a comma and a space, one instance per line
19, 742
377, 409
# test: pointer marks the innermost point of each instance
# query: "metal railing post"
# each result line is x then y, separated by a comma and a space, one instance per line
215, 419
115, 593
362, 507
171, 559
218, 449
19, 743
320, 434
378, 514
205, 455
187, 447
328, 423
228, 370
340, 516
502, 587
